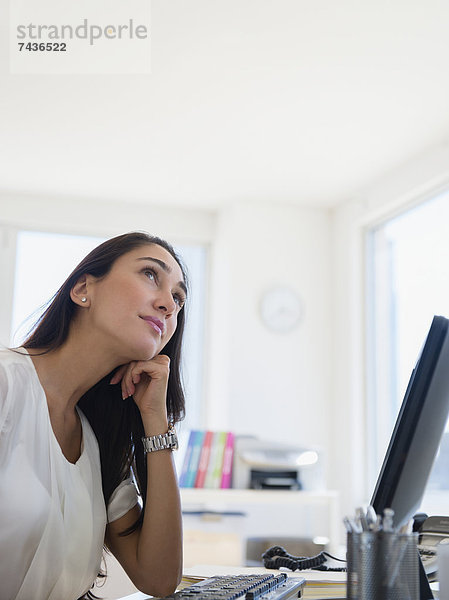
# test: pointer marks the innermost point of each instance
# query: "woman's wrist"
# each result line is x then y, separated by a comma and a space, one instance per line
154, 424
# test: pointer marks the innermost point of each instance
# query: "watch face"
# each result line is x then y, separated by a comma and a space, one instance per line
281, 309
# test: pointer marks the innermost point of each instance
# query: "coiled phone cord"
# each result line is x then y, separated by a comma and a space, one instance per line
277, 557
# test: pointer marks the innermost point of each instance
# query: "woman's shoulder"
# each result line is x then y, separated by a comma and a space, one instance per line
14, 363
16, 371
13, 356
8, 358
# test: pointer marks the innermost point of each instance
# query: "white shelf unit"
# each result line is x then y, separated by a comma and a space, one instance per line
217, 523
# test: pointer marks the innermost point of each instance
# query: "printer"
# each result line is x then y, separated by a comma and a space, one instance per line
261, 464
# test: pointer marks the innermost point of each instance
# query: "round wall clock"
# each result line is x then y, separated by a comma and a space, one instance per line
281, 309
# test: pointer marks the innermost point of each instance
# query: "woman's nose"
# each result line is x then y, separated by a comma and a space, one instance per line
166, 302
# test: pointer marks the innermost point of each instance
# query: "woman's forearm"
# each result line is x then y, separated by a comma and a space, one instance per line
159, 550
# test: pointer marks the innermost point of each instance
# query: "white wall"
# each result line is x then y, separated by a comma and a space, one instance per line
69, 214
274, 385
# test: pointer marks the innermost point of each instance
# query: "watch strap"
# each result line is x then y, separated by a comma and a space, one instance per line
164, 441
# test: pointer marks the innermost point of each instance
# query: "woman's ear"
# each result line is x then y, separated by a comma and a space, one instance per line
79, 293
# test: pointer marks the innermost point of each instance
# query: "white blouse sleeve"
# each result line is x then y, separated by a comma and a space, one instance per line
123, 498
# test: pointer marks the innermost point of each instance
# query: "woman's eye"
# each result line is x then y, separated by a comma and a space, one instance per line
179, 300
150, 274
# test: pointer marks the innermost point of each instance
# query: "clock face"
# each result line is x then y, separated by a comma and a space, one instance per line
281, 309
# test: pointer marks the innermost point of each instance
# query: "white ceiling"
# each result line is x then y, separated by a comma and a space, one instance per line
298, 101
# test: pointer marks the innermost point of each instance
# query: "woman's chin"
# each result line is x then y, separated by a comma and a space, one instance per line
146, 352
145, 349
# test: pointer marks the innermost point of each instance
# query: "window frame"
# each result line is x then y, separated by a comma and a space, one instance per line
434, 501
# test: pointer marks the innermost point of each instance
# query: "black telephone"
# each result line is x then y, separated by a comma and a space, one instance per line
432, 532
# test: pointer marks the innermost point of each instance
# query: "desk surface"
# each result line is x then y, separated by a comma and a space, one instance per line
211, 570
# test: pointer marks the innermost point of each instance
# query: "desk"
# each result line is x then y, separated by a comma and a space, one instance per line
312, 577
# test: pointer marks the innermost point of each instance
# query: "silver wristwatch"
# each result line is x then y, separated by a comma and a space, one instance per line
164, 441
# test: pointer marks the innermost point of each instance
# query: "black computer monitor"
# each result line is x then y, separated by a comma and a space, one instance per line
417, 434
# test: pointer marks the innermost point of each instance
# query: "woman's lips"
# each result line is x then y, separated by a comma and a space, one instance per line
156, 324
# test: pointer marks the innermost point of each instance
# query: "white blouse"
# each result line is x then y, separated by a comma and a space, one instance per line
52, 512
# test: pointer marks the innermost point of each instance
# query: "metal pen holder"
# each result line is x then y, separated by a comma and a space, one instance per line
382, 566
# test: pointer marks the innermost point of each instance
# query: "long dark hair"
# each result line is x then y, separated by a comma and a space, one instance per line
117, 423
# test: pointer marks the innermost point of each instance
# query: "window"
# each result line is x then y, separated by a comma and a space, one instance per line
408, 283
44, 260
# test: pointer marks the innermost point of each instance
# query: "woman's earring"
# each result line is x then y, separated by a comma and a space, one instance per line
83, 299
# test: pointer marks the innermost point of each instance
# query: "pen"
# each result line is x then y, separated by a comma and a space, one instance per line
387, 523
378, 524
371, 517
351, 525
361, 518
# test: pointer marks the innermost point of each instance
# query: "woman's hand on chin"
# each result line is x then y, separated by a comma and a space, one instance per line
146, 381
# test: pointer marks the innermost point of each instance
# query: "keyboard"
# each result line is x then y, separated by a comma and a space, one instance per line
247, 587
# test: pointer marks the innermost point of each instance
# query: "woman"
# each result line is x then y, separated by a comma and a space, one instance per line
86, 413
